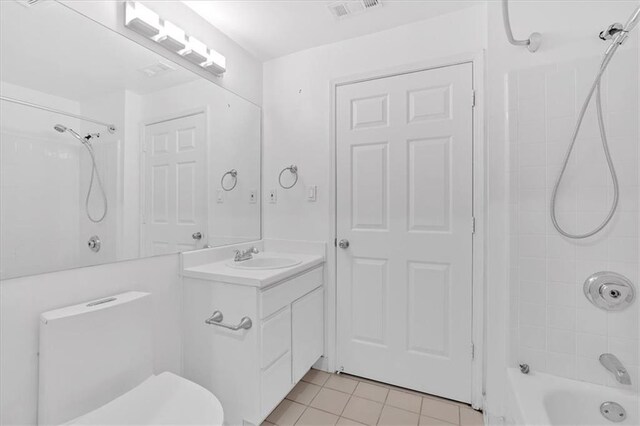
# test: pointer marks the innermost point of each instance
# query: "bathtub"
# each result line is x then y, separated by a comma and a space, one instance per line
543, 399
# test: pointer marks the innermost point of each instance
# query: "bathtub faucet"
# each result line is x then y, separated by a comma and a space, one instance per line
613, 364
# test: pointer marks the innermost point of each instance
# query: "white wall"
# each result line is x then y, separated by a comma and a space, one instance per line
244, 74
22, 300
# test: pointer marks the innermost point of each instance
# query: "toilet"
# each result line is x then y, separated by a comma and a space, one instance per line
96, 368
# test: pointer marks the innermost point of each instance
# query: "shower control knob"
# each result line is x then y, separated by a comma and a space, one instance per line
343, 244
94, 243
196, 236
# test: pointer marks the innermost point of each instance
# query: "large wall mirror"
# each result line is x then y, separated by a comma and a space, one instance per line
179, 170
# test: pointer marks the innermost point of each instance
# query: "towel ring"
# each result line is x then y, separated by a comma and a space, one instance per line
234, 175
293, 169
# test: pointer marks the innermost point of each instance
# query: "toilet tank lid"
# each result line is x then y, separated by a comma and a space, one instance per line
91, 306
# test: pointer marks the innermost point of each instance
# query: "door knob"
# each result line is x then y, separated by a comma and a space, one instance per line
197, 235
343, 244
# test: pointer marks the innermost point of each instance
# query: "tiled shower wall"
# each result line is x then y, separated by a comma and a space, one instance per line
556, 329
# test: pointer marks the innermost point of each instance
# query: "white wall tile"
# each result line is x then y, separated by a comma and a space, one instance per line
575, 332
591, 346
561, 341
561, 317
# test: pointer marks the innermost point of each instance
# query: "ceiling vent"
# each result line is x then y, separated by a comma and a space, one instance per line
157, 69
344, 8
28, 3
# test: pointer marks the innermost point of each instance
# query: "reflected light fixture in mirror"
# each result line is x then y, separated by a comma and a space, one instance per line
196, 51
171, 37
142, 19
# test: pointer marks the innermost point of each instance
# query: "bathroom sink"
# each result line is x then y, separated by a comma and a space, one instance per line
265, 263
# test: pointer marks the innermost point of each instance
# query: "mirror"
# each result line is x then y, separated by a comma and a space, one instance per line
180, 171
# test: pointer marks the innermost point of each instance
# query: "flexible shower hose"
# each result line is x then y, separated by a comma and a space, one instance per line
595, 87
96, 175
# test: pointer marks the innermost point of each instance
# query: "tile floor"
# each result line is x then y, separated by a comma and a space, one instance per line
330, 399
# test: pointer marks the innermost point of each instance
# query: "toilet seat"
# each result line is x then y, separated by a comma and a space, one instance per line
162, 399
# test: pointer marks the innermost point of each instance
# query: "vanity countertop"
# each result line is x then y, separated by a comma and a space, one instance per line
220, 271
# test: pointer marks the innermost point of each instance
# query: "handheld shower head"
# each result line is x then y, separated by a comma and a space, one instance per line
60, 128
633, 20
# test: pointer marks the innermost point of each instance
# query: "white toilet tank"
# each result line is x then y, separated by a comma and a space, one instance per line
92, 353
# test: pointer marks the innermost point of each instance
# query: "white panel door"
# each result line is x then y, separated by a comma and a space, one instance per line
175, 185
404, 203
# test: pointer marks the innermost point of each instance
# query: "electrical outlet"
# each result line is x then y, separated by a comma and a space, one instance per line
273, 196
253, 196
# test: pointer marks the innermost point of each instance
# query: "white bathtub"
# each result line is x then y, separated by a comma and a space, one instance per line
543, 399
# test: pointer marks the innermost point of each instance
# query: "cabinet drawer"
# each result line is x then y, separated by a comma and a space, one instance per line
276, 383
276, 336
285, 293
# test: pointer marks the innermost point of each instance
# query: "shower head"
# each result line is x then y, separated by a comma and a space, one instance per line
60, 128
622, 32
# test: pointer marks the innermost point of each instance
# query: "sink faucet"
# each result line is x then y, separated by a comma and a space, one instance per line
613, 364
247, 254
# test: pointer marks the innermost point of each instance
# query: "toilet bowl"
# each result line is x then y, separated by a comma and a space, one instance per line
96, 366
165, 399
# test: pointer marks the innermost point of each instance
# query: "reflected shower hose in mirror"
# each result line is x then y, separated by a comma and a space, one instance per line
94, 171
234, 175
618, 39
293, 169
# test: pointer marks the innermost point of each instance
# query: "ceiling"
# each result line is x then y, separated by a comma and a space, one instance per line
273, 28
50, 48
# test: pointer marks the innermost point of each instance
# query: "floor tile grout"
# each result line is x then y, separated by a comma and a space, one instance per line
378, 404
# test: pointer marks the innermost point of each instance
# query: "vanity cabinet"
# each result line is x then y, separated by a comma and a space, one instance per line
252, 370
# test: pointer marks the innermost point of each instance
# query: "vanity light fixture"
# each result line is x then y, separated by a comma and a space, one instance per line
141, 19
146, 22
196, 51
171, 37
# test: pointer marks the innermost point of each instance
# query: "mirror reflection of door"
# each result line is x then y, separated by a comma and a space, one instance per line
175, 185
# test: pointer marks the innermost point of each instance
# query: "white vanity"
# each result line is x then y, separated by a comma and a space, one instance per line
251, 333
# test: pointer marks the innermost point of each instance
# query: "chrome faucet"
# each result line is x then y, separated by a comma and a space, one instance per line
613, 364
247, 254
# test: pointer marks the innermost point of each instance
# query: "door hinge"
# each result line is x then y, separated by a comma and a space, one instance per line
473, 225
473, 98
335, 242
473, 351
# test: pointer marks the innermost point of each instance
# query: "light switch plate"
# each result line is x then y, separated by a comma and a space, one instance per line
220, 197
312, 192
253, 195
273, 196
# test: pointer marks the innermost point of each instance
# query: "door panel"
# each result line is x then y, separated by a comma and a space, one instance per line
404, 201
175, 185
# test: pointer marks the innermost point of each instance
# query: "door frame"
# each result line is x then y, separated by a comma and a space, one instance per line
330, 362
143, 162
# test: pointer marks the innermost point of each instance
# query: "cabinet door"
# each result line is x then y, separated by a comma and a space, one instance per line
307, 330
